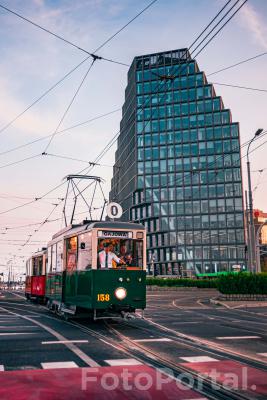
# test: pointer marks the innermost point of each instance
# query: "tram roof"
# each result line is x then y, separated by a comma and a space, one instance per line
87, 225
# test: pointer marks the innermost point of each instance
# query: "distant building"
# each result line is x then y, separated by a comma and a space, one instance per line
177, 166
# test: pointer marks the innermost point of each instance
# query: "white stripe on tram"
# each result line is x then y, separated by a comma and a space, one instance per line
2, 368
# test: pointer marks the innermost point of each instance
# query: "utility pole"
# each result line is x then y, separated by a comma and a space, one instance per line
252, 246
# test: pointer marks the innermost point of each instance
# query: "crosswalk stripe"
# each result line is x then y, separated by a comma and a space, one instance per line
153, 340
123, 361
16, 333
237, 337
196, 359
60, 364
65, 341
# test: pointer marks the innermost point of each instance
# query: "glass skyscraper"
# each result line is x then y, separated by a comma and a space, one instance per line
177, 167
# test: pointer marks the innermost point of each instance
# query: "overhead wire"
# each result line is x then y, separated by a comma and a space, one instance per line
33, 201
209, 24
204, 30
59, 132
106, 147
76, 67
239, 87
42, 96
69, 105
217, 24
124, 26
238, 63
220, 29
94, 56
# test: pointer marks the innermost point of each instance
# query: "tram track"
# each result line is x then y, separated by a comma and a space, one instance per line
177, 337
106, 333
153, 359
194, 343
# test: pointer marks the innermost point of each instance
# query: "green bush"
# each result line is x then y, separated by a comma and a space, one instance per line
199, 283
243, 283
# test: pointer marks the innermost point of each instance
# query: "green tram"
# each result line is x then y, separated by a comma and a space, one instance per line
97, 267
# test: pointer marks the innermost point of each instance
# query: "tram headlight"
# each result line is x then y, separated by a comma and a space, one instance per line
120, 293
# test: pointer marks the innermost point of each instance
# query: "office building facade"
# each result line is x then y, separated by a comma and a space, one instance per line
177, 166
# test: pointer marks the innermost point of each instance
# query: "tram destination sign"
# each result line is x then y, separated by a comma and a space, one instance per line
115, 234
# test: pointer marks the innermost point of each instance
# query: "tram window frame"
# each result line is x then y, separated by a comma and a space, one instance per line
54, 257
59, 256
134, 249
49, 259
71, 266
37, 263
84, 262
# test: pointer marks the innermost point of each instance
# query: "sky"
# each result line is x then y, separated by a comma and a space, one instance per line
32, 61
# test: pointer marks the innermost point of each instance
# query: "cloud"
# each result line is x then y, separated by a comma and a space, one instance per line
253, 21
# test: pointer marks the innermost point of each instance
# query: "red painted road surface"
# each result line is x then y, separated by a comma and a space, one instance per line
103, 383
234, 375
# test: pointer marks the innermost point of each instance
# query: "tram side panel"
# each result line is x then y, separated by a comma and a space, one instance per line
38, 286
78, 289
28, 286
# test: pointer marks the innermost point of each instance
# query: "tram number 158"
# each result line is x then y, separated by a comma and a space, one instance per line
103, 297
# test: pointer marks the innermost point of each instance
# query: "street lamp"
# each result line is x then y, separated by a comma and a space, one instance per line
252, 244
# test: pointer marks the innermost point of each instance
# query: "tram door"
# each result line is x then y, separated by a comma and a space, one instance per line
70, 286
55, 276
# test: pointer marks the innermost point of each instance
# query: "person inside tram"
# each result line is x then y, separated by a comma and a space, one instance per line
107, 256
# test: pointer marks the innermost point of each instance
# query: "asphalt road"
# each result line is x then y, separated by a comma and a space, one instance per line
181, 329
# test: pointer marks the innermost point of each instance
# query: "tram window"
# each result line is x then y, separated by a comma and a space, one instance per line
37, 263
85, 251
123, 253
72, 248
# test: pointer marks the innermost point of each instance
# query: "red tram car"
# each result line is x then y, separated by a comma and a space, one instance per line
36, 276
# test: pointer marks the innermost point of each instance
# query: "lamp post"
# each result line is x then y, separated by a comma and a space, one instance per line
252, 244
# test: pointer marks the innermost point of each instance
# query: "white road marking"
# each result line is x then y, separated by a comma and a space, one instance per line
185, 322
65, 341
237, 337
262, 354
153, 340
62, 364
71, 346
18, 295
17, 333
198, 359
2, 368
123, 361
17, 326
